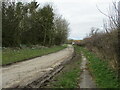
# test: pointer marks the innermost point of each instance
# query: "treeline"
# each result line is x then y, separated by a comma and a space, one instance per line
29, 24
106, 43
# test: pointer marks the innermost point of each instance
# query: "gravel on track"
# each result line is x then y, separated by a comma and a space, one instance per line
26, 72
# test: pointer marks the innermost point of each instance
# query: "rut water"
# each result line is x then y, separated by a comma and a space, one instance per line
86, 80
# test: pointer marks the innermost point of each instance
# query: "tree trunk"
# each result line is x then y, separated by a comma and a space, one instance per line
44, 41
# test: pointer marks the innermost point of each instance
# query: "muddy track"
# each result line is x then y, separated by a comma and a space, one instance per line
86, 80
37, 70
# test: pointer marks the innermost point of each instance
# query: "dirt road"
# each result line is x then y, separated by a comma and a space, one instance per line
25, 72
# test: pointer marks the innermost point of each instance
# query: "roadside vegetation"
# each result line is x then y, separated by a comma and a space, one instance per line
104, 76
32, 24
11, 55
105, 43
69, 76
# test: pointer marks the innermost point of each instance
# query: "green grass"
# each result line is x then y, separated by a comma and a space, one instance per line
12, 55
103, 75
69, 76
77, 49
68, 79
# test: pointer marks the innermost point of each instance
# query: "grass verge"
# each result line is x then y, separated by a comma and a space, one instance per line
104, 76
69, 76
11, 56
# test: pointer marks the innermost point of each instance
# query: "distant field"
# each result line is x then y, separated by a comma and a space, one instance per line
12, 55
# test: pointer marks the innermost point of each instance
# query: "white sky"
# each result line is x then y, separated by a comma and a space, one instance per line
81, 14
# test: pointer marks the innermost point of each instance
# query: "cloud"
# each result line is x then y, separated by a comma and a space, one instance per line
81, 14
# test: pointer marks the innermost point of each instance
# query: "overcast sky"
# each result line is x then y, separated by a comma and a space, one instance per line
81, 14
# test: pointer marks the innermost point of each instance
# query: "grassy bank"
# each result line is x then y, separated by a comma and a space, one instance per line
103, 75
69, 76
14, 55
